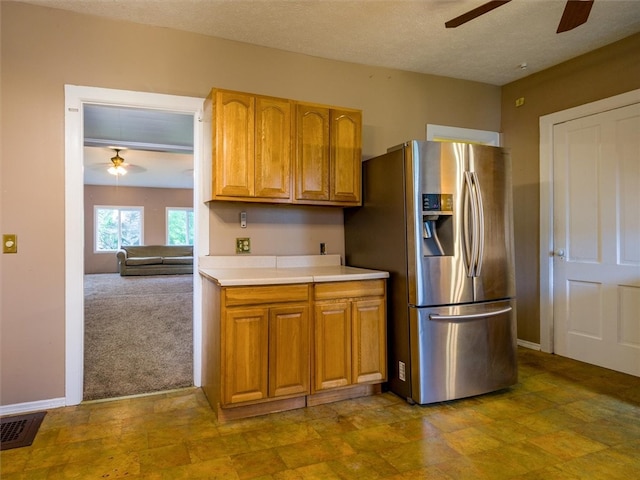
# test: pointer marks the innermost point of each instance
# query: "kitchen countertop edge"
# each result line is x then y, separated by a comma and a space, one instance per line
226, 277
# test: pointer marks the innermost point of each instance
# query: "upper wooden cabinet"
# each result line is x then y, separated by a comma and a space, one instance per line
273, 148
251, 146
328, 155
312, 153
264, 148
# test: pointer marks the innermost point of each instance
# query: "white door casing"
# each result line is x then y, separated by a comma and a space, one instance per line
75, 98
589, 249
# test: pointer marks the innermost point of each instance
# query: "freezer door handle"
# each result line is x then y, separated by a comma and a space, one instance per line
472, 316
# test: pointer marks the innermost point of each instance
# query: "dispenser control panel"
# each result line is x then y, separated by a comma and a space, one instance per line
437, 202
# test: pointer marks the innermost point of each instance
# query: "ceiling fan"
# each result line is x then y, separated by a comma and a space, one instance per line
576, 12
117, 165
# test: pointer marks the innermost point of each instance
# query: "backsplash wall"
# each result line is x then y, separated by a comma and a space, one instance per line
276, 229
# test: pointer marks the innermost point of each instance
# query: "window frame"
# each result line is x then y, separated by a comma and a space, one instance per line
120, 209
192, 224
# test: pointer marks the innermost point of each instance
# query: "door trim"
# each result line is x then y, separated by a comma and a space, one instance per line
547, 122
75, 97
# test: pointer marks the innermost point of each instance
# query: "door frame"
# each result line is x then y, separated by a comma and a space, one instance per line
75, 98
547, 123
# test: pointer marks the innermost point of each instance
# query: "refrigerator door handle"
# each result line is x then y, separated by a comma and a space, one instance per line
471, 316
480, 237
470, 237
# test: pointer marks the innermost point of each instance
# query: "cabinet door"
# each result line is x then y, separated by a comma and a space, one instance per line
346, 156
273, 148
288, 350
234, 144
244, 352
332, 345
369, 340
312, 148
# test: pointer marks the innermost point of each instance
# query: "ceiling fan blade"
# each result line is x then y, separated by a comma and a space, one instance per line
576, 12
476, 12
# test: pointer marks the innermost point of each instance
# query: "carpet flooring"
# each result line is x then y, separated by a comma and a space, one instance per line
138, 334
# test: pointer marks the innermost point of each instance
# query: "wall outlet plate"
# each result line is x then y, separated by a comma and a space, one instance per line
9, 243
243, 245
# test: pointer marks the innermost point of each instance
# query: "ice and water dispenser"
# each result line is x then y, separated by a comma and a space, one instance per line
437, 224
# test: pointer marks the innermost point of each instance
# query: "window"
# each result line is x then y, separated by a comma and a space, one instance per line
443, 133
116, 227
179, 226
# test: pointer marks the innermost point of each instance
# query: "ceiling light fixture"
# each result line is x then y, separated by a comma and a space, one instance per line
117, 168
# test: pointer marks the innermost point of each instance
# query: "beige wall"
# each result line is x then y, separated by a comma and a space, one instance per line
153, 200
594, 76
44, 49
276, 230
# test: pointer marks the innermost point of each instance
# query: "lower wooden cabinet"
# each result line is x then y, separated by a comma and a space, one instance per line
349, 334
332, 345
264, 348
369, 340
245, 353
276, 347
289, 350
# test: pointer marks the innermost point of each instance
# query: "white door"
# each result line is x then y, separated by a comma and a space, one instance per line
596, 225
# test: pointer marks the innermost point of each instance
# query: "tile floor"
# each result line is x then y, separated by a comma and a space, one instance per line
564, 420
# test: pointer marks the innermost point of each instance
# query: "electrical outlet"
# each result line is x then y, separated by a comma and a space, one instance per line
243, 245
402, 371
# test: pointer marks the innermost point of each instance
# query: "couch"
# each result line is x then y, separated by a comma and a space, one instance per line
155, 259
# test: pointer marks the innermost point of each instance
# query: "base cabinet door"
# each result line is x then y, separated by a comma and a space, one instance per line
270, 348
289, 350
332, 345
369, 340
244, 352
265, 343
350, 334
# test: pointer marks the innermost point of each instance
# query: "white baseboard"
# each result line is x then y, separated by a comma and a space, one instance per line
531, 345
18, 408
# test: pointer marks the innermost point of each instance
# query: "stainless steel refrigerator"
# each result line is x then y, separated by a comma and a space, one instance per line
438, 217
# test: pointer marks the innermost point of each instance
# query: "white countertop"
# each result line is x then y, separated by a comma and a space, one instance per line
272, 270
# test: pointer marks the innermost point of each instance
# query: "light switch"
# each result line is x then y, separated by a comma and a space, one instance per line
9, 243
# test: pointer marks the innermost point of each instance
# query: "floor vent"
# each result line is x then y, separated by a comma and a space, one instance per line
19, 430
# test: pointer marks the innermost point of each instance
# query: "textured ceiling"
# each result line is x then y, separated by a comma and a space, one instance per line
403, 34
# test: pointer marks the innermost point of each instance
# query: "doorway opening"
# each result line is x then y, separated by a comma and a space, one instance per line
76, 97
